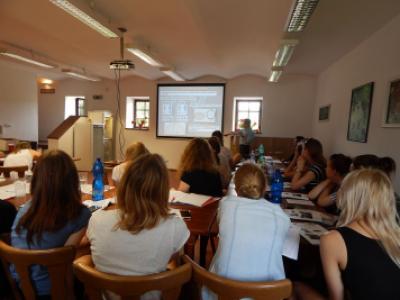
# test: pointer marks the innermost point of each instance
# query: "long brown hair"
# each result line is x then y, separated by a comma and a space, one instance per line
197, 156
142, 195
56, 196
314, 148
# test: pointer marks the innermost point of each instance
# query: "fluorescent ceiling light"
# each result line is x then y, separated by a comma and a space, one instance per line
301, 13
274, 76
84, 18
144, 55
284, 53
27, 60
171, 73
80, 76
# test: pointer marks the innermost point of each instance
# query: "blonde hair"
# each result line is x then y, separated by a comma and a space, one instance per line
142, 195
134, 150
250, 181
197, 156
367, 195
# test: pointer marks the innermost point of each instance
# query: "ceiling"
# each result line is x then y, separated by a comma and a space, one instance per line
198, 37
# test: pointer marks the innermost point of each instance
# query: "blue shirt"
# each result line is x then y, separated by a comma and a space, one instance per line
55, 239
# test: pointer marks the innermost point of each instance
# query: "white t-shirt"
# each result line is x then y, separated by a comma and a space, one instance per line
251, 237
118, 171
21, 158
120, 252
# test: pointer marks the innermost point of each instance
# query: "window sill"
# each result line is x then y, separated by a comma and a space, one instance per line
140, 129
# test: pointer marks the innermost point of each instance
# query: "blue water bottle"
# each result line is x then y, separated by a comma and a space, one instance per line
98, 183
277, 187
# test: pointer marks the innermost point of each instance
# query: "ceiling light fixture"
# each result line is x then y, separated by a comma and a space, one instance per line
284, 53
79, 75
26, 59
144, 54
171, 73
301, 14
275, 74
84, 18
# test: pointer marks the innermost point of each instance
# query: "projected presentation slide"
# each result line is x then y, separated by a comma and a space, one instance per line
189, 110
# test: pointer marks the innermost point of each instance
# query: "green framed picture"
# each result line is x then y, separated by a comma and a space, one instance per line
360, 112
324, 113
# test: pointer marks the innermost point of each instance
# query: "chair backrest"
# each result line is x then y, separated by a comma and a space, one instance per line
130, 287
19, 169
233, 289
58, 262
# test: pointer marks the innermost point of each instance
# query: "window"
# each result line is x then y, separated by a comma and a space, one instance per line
247, 108
75, 106
137, 112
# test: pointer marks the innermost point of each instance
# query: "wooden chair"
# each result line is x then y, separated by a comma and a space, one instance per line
19, 169
130, 287
228, 289
58, 262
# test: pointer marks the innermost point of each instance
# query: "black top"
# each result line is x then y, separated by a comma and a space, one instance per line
203, 182
7, 216
369, 273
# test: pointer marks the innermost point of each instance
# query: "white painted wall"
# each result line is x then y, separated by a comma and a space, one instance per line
376, 59
19, 103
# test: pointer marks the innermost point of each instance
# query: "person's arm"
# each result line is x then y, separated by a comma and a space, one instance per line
75, 238
183, 187
290, 169
325, 198
300, 177
35, 154
334, 258
320, 188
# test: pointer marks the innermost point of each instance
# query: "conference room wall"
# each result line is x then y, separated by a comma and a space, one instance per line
18, 102
376, 59
51, 106
287, 109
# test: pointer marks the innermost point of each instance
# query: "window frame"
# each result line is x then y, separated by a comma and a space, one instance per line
77, 100
134, 100
236, 111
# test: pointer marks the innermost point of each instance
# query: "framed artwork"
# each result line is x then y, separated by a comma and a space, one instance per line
324, 113
392, 113
360, 111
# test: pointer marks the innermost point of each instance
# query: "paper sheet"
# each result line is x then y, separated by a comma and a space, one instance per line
294, 195
8, 191
291, 243
188, 198
311, 232
311, 215
101, 204
86, 188
300, 202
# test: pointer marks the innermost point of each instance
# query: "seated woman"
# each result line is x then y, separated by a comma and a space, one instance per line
54, 217
224, 150
198, 171
223, 165
23, 155
310, 167
365, 161
251, 232
325, 192
143, 234
131, 153
362, 256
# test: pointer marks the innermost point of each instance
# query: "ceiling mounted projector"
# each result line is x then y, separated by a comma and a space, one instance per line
122, 64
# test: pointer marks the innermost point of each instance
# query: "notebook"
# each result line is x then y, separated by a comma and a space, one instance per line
190, 198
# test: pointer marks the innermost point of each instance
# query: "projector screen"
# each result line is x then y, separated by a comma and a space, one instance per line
189, 110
